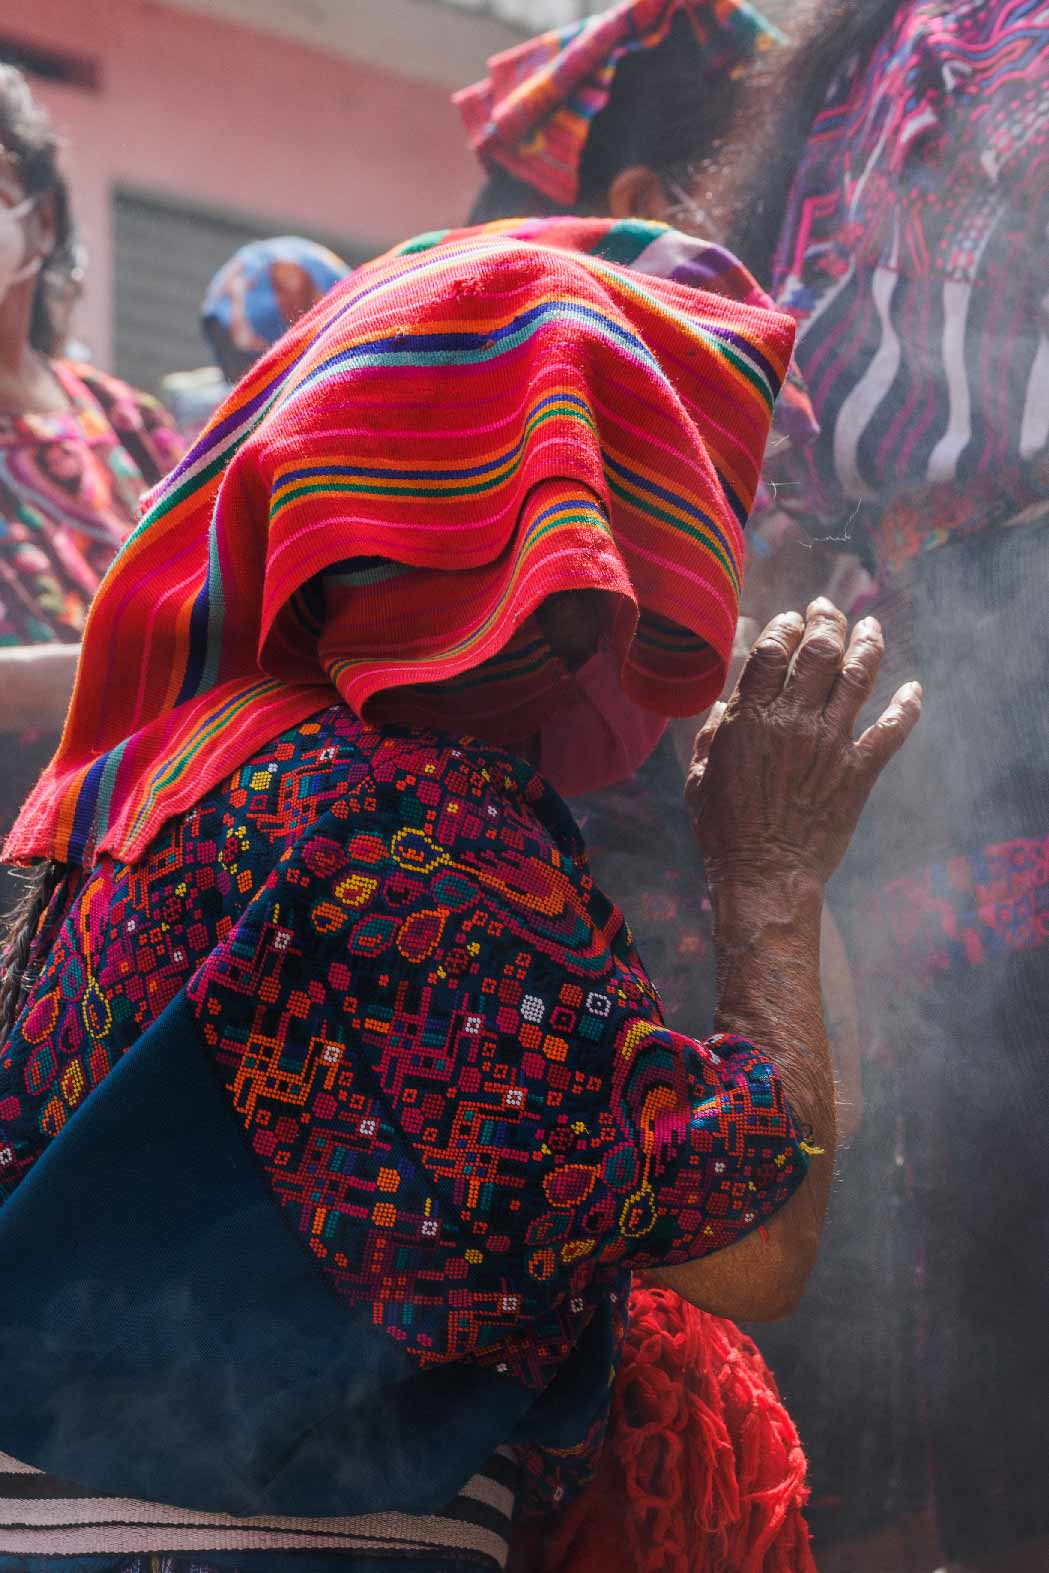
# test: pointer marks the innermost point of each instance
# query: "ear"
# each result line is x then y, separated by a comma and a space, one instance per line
638, 192
44, 226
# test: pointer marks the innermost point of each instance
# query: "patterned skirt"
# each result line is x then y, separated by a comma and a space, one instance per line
701, 1472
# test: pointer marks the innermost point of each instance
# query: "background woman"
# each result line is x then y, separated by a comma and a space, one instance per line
76, 450
910, 245
350, 1230
627, 114
888, 173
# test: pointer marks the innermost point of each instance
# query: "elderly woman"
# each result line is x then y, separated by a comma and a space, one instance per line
337, 1106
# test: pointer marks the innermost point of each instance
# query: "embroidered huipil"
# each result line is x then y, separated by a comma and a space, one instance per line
437, 1040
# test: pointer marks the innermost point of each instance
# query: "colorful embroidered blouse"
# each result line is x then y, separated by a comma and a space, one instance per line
440, 1045
913, 257
70, 484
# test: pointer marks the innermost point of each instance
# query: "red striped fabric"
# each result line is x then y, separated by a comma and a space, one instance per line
529, 409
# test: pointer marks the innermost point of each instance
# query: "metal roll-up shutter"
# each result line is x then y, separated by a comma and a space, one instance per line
164, 256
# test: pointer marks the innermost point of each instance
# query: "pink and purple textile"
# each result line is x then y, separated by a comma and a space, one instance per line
913, 259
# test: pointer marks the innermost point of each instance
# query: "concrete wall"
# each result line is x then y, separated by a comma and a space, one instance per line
214, 113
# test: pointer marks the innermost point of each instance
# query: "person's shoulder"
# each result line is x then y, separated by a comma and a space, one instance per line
336, 777
433, 788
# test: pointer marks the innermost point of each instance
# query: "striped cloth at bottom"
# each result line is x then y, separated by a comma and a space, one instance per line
44, 1517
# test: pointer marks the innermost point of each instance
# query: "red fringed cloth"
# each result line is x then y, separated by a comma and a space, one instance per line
702, 1470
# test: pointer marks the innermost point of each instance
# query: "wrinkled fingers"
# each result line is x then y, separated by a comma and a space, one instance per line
701, 750
765, 673
859, 670
820, 655
891, 730
705, 736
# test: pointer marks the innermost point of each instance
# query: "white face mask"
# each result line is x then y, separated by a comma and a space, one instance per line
14, 267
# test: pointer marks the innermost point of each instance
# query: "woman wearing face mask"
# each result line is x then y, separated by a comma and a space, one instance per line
76, 450
336, 1106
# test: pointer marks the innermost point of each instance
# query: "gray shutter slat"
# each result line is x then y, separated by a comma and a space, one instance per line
164, 256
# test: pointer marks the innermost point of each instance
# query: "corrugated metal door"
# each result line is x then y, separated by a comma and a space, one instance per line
164, 256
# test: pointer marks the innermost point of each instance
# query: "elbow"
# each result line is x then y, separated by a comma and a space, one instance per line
767, 1290
781, 1287
774, 1302
779, 1270
772, 1295
762, 1277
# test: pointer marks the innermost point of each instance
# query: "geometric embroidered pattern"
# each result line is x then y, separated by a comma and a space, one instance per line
443, 1048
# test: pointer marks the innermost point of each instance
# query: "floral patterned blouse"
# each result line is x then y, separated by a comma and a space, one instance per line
70, 483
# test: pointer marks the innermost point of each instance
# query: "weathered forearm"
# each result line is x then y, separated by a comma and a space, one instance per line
775, 788
767, 950
767, 954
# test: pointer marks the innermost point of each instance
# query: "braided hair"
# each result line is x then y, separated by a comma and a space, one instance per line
28, 934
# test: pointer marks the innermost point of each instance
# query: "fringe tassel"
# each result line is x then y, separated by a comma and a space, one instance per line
702, 1470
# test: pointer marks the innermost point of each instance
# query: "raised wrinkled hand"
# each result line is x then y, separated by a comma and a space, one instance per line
778, 778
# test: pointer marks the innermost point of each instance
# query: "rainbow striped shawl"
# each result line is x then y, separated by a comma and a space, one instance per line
532, 407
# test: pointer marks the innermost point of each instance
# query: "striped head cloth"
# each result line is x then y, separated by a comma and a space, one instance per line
531, 115
475, 421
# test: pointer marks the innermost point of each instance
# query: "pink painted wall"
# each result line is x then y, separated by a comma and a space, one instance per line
215, 114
